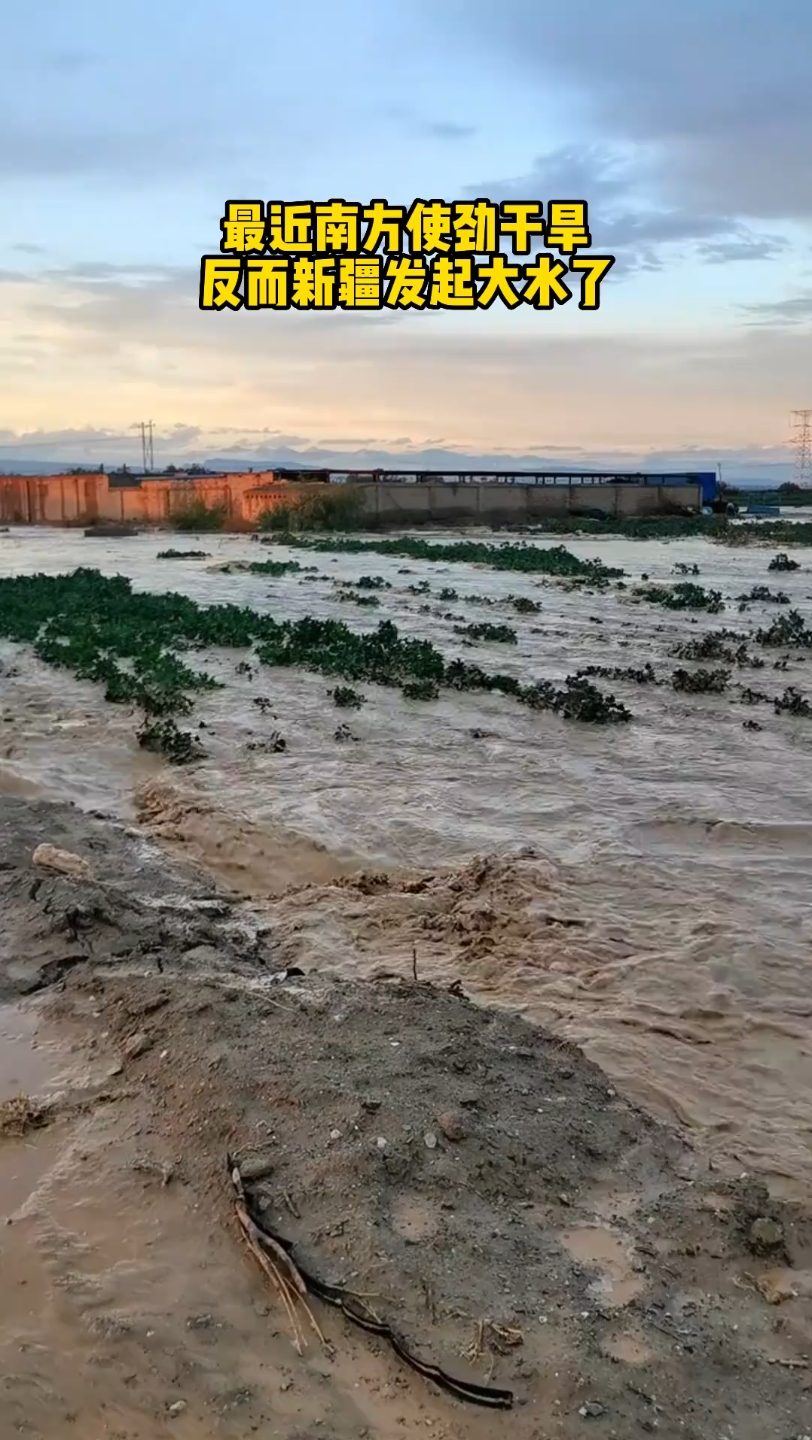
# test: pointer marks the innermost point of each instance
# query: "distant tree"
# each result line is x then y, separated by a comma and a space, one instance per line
789, 488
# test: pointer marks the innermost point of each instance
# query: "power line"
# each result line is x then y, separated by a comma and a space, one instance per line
801, 421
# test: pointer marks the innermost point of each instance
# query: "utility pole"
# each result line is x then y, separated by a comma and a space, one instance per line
147, 454
801, 421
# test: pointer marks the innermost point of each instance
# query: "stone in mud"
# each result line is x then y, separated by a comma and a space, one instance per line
52, 858
765, 1235
453, 1125
256, 1166
137, 1045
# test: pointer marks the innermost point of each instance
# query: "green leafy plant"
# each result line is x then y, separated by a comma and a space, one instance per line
525, 559
765, 595
183, 555
333, 508
501, 634
347, 698
682, 596
274, 567
421, 690
788, 630
641, 675
350, 595
792, 702
196, 515
700, 682
132, 642
163, 737
783, 562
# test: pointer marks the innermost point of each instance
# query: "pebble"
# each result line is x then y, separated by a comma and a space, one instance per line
766, 1234
592, 1409
137, 1045
256, 1166
381, 1142
178, 1408
430, 1141
64, 861
335, 1134
453, 1125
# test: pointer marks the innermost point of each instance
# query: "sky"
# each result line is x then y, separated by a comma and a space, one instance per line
687, 127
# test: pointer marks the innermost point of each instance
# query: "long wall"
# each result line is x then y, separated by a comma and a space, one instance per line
84, 499
517, 504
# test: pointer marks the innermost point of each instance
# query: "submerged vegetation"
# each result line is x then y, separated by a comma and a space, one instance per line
183, 555
726, 645
483, 631
682, 596
273, 567
421, 690
783, 562
526, 559
347, 698
792, 702
764, 594
788, 630
352, 595
97, 627
641, 675
700, 682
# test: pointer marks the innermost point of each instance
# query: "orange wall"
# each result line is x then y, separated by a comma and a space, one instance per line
81, 499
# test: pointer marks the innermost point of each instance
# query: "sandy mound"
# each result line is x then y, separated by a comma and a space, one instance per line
479, 1183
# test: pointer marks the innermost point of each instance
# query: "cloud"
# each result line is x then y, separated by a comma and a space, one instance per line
68, 62
718, 90
51, 153
623, 222
797, 310
99, 346
448, 130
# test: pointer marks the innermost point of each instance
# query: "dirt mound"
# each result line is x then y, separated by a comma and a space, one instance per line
478, 1183
134, 907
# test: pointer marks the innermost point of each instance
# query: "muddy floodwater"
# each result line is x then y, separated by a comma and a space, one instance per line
677, 849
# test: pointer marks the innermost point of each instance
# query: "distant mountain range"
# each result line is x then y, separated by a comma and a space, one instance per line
739, 470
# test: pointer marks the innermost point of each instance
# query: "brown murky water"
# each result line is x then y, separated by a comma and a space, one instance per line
682, 843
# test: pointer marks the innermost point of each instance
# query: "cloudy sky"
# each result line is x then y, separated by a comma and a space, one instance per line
687, 126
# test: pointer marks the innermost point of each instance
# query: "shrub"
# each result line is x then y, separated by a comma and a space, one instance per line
329, 508
198, 516
783, 562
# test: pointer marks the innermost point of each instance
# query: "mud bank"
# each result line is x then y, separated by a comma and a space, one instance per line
480, 1183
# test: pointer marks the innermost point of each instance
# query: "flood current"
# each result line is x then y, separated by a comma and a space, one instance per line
677, 848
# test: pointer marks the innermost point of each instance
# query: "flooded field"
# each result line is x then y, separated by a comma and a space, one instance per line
661, 918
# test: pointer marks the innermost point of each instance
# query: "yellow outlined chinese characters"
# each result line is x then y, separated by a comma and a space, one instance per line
432, 255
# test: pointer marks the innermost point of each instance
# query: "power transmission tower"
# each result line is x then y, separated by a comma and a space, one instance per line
146, 446
802, 445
